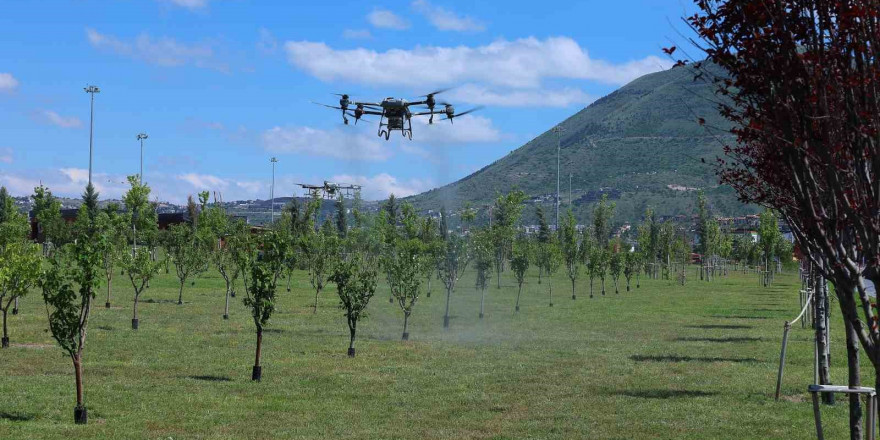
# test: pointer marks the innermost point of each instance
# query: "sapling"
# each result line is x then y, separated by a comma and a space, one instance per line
552, 259
452, 264
404, 264
140, 268
568, 238
482, 250
19, 271
355, 282
262, 263
187, 254
69, 286
630, 265
615, 265
520, 264
319, 248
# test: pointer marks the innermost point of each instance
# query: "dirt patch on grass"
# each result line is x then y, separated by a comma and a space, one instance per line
34, 346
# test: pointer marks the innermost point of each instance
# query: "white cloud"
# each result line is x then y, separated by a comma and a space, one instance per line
267, 43
338, 143
357, 34
163, 51
6, 155
383, 18
522, 63
477, 94
446, 20
464, 130
61, 121
8, 82
204, 181
380, 186
190, 4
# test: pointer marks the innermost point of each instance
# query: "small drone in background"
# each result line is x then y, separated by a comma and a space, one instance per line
395, 113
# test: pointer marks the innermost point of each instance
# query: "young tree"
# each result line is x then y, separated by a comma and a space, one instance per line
19, 271
630, 266
595, 264
453, 263
552, 259
615, 263
543, 236
187, 253
483, 251
69, 286
505, 215
648, 242
603, 259
140, 269
113, 227
355, 283
521, 258
262, 260
568, 238
405, 262
319, 249
603, 215
341, 223
47, 212
768, 240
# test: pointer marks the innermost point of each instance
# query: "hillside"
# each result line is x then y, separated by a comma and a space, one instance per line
641, 145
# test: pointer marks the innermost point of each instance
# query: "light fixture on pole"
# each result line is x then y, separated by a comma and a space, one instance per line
272, 188
91, 90
558, 130
141, 137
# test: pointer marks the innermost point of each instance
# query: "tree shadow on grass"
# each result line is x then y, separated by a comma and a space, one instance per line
161, 301
739, 317
720, 326
274, 330
666, 394
209, 378
728, 339
15, 417
673, 359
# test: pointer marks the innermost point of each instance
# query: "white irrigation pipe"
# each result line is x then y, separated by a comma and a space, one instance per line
786, 328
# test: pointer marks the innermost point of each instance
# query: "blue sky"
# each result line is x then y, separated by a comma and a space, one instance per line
220, 86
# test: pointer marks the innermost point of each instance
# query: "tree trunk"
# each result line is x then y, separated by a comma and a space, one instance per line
518, 293
446, 314
257, 373
550, 285
615, 286
603, 286
352, 327
540, 274
498, 276
180, 293
226, 307
80, 416
5, 339
627, 284
405, 336
315, 309
573, 296
134, 317
288, 281
638, 281
591, 287
853, 380
109, 279
822, 340
429, 286
482, 301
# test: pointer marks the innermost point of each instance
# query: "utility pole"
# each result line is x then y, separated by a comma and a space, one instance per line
272, 189
91, 90
141, 137
558, 130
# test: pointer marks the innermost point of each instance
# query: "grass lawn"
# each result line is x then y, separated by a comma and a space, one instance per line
662, 361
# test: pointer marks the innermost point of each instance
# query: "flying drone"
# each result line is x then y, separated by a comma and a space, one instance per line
395, 113
329, 189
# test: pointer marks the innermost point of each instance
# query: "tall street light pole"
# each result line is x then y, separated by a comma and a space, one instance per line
558, 130
141, 137
91, 90
272, 189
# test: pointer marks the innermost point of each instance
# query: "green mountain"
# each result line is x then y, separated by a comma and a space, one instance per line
641, 145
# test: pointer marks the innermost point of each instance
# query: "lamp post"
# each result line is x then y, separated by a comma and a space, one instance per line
141, 137
272, 188
558, 130
91, 90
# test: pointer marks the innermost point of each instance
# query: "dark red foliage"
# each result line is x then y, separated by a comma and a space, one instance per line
803, 96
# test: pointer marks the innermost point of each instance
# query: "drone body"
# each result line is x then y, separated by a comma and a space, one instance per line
395, 114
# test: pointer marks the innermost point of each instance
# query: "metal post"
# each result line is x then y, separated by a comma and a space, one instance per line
272, 189
782, 359
558, 130
817, 415
91, 90
141, 137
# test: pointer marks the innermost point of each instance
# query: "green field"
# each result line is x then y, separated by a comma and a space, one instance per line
663, 361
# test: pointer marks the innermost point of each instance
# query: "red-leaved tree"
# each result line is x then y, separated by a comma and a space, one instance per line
802, 81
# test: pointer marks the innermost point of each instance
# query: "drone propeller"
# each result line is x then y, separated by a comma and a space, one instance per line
342, 95
451, 117
437, 92
356, 118
328, 106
